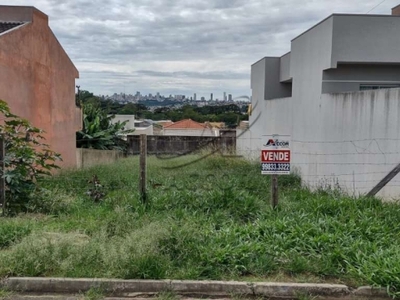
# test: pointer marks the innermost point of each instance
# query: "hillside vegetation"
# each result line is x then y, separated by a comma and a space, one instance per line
205, 219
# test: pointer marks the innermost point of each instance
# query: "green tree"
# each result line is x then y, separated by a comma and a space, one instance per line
231, 119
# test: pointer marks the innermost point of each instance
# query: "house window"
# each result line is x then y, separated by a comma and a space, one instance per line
365, 87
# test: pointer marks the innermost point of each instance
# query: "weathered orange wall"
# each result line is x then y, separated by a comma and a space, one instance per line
37, 80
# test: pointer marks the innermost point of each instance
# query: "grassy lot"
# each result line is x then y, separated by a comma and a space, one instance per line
205, 220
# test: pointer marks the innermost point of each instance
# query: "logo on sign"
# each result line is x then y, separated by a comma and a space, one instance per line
276, 143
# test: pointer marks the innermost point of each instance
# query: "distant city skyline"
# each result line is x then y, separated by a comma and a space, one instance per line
193, 97
178, 47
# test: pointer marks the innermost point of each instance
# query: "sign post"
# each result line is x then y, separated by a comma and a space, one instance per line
275, 160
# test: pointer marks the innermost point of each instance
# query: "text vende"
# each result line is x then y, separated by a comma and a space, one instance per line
275, 156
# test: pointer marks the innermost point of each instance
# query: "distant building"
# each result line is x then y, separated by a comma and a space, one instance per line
211, 97
230, 98
195, 97
189, 127
203, 99
224, 96
143, 127
217, 125
122, 118
140, 126
164, 123
179, 97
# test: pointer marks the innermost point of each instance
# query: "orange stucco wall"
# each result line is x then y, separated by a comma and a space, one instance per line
37, 80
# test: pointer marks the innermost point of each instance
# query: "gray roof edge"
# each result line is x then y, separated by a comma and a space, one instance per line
345, 15
327, 18
265, 58
14, 28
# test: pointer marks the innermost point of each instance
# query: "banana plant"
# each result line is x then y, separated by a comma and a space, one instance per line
99, 132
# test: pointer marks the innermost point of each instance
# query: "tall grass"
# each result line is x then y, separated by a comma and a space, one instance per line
206, 220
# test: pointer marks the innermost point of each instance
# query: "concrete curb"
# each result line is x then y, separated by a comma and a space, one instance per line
128, 288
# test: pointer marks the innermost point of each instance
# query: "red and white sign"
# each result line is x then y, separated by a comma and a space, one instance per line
275, 156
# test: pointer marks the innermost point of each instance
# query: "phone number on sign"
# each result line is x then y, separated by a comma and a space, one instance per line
275, 167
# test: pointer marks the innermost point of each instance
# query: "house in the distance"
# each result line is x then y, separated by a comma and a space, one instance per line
143, 127
37, 78
129, 119
188, 127
139, 126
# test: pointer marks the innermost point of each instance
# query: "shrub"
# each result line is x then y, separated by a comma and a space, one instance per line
26, 159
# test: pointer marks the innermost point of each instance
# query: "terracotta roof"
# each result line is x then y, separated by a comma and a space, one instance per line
5, 26
186, 124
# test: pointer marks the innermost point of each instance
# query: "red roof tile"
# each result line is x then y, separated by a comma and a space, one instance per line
186, 124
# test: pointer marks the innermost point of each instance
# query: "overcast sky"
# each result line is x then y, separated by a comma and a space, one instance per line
181, 46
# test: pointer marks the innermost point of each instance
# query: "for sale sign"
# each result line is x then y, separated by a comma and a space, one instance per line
275, 155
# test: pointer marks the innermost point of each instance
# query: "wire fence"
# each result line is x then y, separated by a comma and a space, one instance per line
354, 165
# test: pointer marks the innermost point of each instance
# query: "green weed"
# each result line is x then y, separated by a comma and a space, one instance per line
93, 294
205, 220
5, 294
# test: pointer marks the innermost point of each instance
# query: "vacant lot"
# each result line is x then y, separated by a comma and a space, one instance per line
208, 219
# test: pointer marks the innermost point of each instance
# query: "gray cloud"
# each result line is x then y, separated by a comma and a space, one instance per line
175, 46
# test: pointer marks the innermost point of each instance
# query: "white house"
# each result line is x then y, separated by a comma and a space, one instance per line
336, 94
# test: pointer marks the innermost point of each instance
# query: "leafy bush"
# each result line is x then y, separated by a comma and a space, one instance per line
26, 159
99, 132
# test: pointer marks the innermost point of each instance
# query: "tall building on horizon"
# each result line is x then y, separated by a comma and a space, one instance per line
224, 96
194, 97
230, 98
211, 97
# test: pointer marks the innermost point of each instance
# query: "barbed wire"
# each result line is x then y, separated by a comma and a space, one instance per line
335, 141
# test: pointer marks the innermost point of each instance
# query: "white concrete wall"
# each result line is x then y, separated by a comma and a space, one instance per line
143, 130
353, 143
285, 68
358, 142
122, 118
248, 144
86, 158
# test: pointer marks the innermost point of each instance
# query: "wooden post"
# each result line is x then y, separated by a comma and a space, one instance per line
384, 181
274, 191
2, 179
142, 175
